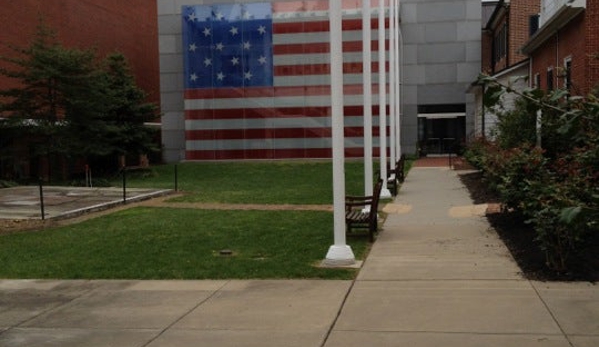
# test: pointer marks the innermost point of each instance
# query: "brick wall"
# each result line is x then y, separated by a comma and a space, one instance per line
520, 12
502, 62
487, 53
578, 41
592, 44
543, 59
517, 19
129, 27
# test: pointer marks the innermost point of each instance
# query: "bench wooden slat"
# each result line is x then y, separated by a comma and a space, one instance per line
355, 215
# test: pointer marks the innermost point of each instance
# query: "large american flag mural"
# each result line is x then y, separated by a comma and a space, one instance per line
257, 80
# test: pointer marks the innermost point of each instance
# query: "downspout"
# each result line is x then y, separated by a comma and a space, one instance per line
557, 64
508, 51
482, 124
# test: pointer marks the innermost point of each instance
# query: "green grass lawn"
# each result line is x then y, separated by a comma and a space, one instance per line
284, 182
165, 243
169, 243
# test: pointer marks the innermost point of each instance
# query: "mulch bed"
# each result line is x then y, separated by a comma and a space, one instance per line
519, 239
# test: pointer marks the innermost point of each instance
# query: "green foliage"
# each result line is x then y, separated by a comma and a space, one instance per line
476, 152
127, 109
517, 126
554, 186
67, 102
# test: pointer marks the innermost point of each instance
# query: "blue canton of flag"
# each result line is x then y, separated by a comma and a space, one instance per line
228, 45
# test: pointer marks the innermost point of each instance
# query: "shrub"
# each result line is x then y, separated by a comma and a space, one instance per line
553, 187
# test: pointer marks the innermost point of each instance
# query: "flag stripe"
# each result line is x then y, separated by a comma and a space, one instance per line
291, 118
279, 133
271, 153
321, 69
279, 112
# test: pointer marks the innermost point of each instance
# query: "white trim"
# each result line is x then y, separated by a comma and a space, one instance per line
447, 115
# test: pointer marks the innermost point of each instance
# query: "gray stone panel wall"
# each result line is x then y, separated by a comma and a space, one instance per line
171, 79
441, 57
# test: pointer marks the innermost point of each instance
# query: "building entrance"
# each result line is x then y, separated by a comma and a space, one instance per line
440, 133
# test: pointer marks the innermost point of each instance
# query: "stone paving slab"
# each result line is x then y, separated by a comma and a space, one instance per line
34, 337
61, 202
309, 305
584, 341
168, 313
121, 309
236, 338
575, 306
436, 339
475, 306
439, 252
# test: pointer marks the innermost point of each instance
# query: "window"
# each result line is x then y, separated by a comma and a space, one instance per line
568, 73
550, 79
533, 24
500, 44
537, 81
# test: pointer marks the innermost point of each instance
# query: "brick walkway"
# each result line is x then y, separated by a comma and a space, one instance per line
457, 163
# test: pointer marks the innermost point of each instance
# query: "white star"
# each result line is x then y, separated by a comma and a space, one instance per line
207, 32
262, 60
192, 17
235, 61
219, 16
219, 46
193, 77
247, 45
262, 30
248, 75
193, 47
207, 62
234, 31
220, 76
246, 15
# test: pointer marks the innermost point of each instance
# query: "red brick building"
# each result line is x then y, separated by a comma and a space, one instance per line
564, 51
129, 27
553, 42
506, 31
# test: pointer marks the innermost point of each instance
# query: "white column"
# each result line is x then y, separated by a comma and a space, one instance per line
339, 254
392, 101
385, 193
367, 73
539, 128
398, 79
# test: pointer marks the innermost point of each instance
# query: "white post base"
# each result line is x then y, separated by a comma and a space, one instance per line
386, 193
339, 256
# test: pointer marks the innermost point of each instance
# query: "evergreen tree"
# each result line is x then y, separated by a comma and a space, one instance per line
66, 103
128, 110
36, 106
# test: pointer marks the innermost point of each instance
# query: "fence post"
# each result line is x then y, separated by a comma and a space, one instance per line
176, 179
42, 199
124, 184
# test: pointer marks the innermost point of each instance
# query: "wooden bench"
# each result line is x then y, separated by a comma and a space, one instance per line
395, 175
361, 211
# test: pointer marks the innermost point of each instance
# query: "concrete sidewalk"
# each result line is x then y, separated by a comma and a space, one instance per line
437, 276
